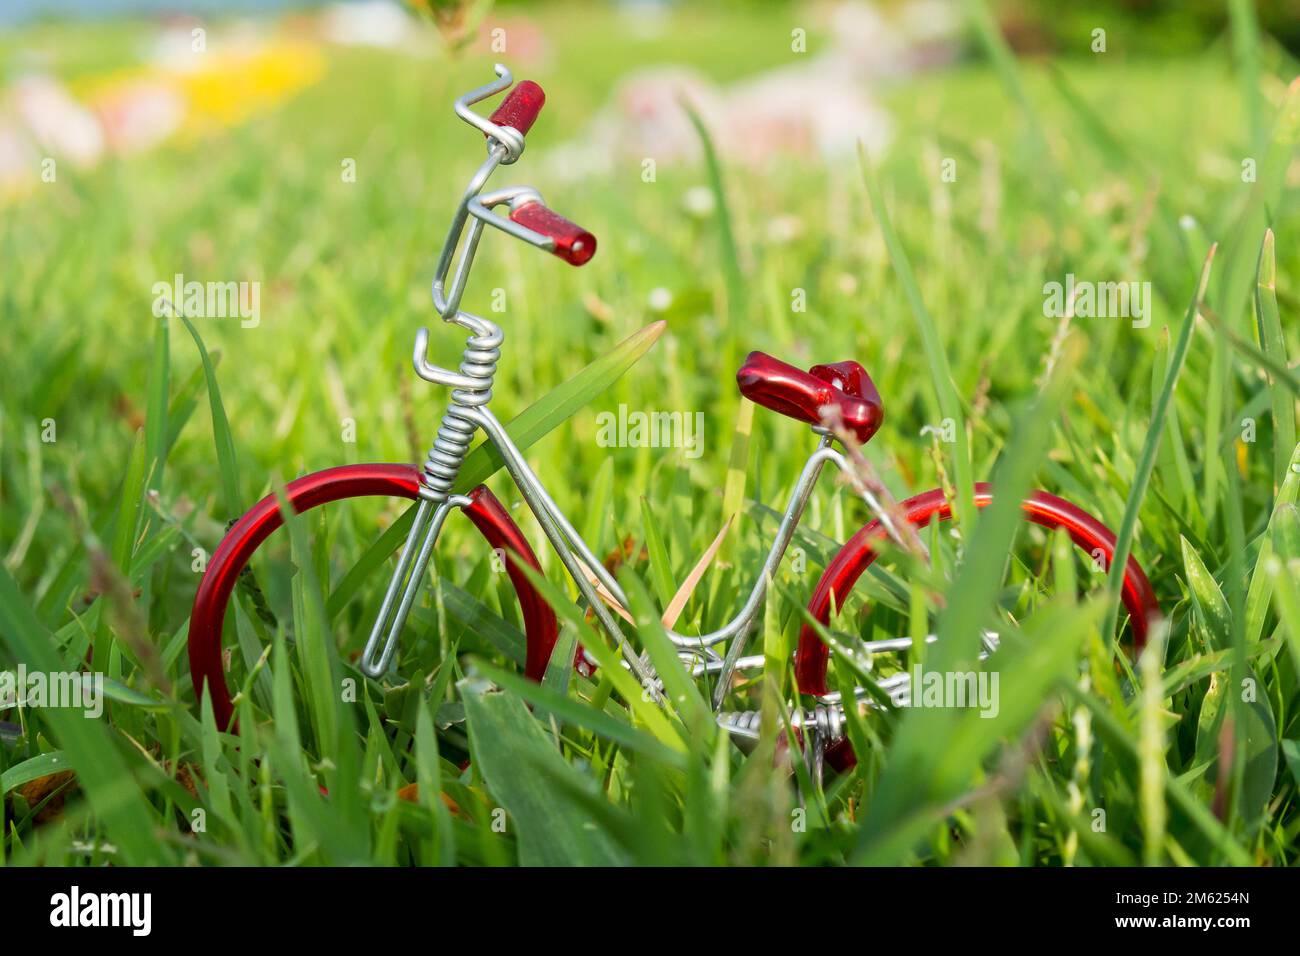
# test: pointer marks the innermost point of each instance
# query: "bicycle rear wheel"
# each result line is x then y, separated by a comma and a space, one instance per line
837, 583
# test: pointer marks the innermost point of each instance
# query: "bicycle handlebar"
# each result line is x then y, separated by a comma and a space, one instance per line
520, 108
572, 243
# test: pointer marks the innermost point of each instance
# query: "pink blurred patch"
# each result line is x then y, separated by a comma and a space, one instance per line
820, 105
517, 40
137, 116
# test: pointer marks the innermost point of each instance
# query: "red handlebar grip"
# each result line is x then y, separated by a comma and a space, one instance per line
573, 244
520, 107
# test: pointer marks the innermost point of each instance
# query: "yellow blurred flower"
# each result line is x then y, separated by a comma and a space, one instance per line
229, 89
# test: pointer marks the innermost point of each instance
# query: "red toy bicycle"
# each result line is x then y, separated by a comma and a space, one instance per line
841, 392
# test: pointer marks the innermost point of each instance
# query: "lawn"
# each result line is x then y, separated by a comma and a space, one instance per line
1178, 432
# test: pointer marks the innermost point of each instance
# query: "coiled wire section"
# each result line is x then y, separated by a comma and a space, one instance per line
825, 720
456, 430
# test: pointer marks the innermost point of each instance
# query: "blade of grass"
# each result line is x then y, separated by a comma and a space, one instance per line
1245, 48
895, 821
1282, 569
638, 698
661, 572
682, 693
552, 828
313, 639
481, 620
733, 488
92, 752
371, 559
936, 358
1274, 346
559, 404
441, 849
1151, 751
1004, 61
1123, 748
726, 236
31, 769
581, 714
155, 422
1150, 448
225, 444
1212, 611
678, 603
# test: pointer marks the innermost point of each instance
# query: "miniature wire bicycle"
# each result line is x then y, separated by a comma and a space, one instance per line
842, 390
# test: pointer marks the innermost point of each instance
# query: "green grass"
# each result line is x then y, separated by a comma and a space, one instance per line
1113, 168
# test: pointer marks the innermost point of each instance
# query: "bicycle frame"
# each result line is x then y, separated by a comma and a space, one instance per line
471, 393
574, 552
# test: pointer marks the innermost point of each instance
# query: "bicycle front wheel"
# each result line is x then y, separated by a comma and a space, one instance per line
244, 538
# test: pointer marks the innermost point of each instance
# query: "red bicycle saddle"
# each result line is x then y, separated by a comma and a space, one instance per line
800, 395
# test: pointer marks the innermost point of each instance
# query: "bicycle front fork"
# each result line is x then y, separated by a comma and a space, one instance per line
405, 583
471, 388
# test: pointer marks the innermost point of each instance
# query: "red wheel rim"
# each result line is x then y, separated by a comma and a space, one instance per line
335, 484
1041, 508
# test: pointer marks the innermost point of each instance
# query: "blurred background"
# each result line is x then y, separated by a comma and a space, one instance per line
311, 149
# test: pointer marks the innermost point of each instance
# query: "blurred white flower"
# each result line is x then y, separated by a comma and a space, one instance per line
18, 159
378, 23
58, 122
931, 19
660, 299
698, 202
173, 48
783, 229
